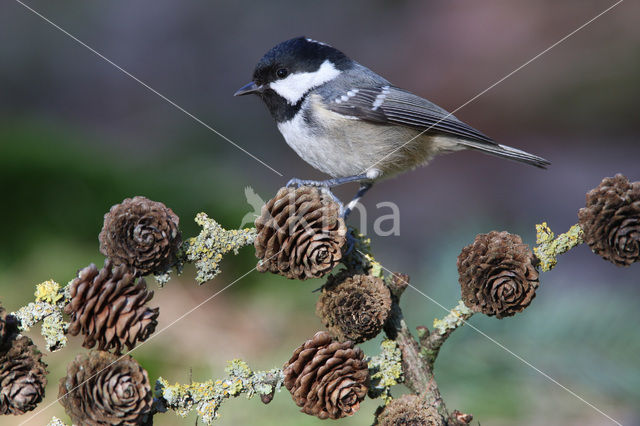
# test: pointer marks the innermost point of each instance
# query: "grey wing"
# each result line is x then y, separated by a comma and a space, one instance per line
388, 104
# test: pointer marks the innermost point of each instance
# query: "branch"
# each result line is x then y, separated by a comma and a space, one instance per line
432, 342
206, 250
418, 373
207, 397
550, 247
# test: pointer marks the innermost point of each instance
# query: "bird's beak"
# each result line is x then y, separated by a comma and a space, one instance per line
248, 89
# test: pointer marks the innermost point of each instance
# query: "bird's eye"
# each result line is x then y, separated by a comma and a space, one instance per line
282, 73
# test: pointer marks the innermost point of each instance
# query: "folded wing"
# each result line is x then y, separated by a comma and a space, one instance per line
389, 104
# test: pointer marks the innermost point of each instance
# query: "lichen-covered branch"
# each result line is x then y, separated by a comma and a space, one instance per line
206, 397
418, 374
550, 247
50, 301
206, 250
442, 329
56, 422
385, 370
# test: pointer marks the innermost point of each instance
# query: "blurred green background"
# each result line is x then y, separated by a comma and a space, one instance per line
77, 135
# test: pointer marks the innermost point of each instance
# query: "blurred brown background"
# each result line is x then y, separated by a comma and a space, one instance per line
77, 135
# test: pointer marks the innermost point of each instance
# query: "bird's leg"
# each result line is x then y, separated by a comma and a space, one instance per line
364, 187
367, 177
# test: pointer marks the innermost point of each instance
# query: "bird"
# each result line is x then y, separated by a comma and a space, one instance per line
353, 124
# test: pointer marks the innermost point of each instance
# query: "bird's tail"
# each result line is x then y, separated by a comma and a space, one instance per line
507, 152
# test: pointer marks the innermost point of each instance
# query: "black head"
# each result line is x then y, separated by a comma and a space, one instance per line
287, 72
297, 55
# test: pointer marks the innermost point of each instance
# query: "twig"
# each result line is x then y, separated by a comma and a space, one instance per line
206, 397
418, 374
550, 246
432, 342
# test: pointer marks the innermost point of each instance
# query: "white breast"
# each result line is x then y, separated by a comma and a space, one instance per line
313, 149
347, 147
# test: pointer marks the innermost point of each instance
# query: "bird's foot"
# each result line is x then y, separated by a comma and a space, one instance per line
365, 179
324, 186
304, 182
332, 182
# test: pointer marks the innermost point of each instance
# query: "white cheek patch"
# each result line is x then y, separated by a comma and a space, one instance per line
296, 85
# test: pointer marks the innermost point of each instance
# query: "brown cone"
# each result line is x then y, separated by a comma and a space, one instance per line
101, 389
354, 307
8, 329
409, 410
109, 308
611, 220
23, 377
497, 274
328, 379
300, 234
142, 234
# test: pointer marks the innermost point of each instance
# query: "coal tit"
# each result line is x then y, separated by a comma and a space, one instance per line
354, 125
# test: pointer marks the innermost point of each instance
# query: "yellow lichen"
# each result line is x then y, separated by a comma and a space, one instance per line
455, 318
385, 369
360, 257
48, 291
207, 249
50, 301
206, 397
550, 247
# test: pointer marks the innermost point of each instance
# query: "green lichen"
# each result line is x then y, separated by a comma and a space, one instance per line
50, 301
56, 422
550, 247
385, 370
455, 318
207, 249
207, 397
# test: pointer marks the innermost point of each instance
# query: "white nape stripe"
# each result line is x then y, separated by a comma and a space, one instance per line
310, 40
380, 98
296, 85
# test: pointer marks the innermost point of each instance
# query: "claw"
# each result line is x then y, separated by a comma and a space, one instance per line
351, 243
303, 182
294, 182
327, 191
